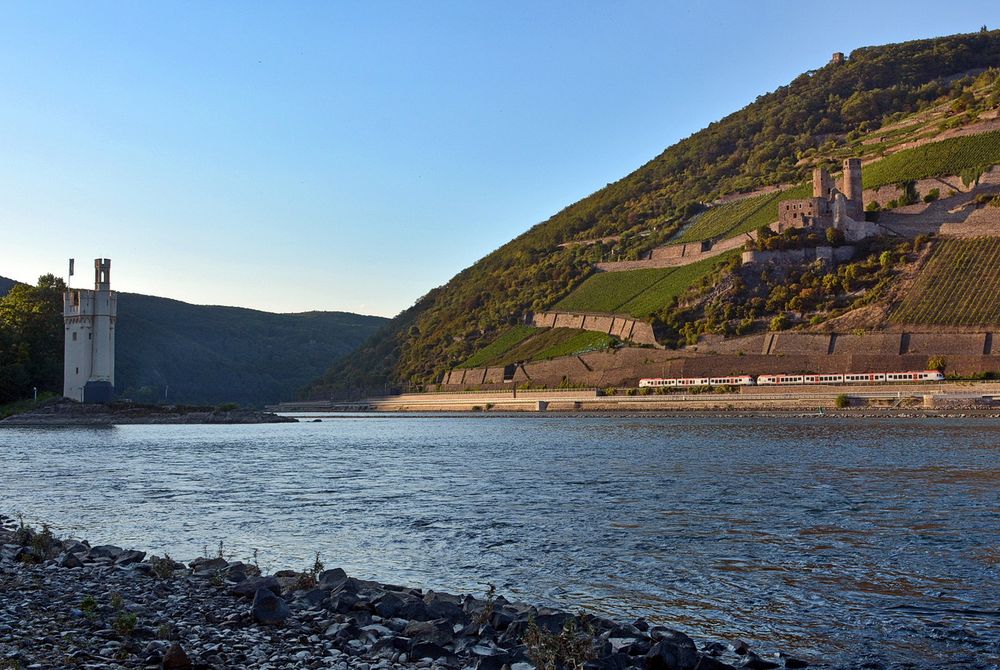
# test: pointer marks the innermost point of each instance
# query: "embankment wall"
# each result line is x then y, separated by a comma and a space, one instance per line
965, 354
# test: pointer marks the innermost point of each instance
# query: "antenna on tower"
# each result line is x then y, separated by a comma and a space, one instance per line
70, 278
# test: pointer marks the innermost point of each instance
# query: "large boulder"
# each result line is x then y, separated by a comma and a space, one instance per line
109, 551
331, 579
176, 658
674, 651
249, 587
130, 557
268, 608
438, 631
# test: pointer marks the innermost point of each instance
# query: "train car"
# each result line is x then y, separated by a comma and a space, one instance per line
781, 380
738, 380
915, 376
678, 382
864, 377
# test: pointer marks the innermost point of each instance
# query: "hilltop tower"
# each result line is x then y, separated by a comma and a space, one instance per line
89, 318
852, 188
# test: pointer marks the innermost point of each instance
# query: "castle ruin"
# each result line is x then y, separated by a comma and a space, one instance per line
830, 207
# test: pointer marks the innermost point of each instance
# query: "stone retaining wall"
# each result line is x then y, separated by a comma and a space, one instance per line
617, 325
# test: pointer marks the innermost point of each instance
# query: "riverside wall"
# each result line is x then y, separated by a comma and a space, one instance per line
821, 353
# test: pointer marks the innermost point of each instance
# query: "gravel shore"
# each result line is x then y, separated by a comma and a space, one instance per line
66, 604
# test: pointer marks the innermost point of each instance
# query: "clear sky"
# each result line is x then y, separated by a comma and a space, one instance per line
292, 156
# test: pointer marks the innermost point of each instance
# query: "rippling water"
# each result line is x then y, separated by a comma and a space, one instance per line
838, 539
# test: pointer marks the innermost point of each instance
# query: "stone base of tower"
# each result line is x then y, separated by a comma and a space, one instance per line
98, 392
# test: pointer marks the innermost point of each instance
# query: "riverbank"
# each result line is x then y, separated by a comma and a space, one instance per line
64, 412
66, 603
950, 397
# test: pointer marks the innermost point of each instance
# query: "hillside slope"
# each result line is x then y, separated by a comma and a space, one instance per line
178, 352
209, 354
775, 140
6, 285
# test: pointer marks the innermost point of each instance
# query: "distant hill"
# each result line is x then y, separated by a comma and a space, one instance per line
6, 285
182, 353
849, 107
167, 349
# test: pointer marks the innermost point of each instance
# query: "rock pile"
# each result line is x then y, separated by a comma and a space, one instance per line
68, 604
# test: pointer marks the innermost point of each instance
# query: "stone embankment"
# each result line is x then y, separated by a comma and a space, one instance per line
66, 412
68, 604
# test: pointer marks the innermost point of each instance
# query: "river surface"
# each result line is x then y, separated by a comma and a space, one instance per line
846, 540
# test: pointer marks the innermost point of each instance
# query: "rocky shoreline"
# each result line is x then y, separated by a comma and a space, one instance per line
65, 412
65, 603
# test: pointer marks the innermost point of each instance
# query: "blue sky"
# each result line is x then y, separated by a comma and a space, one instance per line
353, 155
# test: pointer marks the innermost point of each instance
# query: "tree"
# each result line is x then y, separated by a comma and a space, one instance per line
938, 363
31, 338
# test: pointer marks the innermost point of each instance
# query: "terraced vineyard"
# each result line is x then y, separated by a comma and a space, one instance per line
637, 292
498, 347
741, 216
947, 157
540, 344
607, 291
959, 286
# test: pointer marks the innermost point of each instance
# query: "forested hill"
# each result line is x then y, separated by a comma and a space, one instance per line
167, 350
6, 285
777, 139
209, 354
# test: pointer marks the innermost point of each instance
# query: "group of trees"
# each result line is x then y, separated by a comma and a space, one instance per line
736, 299
31, 339
759, 145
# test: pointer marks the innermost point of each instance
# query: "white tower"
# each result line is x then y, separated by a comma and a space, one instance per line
89, 317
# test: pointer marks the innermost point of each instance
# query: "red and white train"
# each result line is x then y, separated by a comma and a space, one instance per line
797, 380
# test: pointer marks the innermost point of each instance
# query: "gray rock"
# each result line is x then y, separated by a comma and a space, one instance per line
249, 587
675, 651
176, 658
438, 631
70, 560
268, 608
331, 579
105, 551
130, 557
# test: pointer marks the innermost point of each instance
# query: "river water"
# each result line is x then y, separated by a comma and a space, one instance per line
846, 540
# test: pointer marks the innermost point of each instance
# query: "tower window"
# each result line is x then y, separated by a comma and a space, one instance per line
78, 371
74, 336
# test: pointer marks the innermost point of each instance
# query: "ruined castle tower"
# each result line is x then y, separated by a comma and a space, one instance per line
822, 184
852, 188
89, 318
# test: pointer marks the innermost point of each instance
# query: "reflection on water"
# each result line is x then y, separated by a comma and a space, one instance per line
860, 541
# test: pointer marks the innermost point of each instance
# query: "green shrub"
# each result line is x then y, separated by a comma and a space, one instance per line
842, 401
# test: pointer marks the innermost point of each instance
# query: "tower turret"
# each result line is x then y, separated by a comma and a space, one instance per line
852, 188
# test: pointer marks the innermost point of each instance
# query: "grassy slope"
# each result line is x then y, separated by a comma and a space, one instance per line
637, 292
540, 345
948, 157
959, 286
741, 216
776, 139
209, 354
500, 346
608, 291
